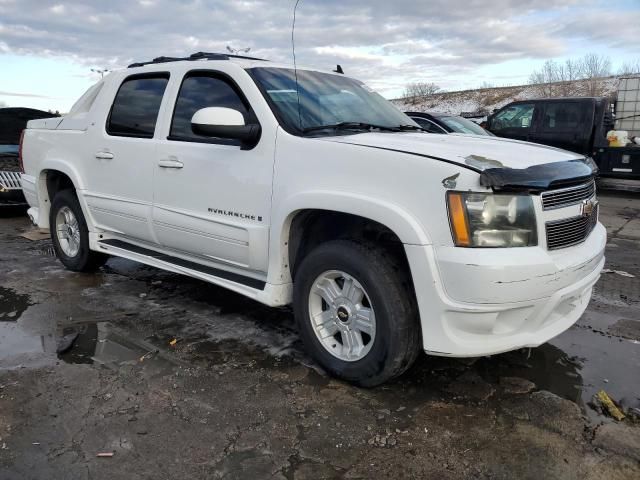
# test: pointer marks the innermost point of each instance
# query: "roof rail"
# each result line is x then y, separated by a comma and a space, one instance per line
193, 57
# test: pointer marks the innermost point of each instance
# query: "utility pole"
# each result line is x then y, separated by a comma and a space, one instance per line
100, 71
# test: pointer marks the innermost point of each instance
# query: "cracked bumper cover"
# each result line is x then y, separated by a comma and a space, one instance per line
487, 301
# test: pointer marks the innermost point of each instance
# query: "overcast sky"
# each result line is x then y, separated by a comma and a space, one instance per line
48, 48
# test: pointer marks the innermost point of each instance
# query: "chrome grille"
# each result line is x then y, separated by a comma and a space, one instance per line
10, 180
567, 196
570, 231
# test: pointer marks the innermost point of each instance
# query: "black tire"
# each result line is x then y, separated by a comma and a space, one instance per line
85, 260
397, 341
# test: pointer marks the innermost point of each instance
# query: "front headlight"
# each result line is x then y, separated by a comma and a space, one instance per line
492, 220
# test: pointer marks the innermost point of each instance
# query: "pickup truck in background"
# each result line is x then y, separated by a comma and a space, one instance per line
579, 124
305, 187
12, 122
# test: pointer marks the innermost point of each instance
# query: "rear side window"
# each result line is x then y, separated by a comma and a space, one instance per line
561, 117
201, 90
135, 109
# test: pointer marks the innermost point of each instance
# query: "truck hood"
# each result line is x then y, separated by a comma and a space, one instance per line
480, 152
502, 163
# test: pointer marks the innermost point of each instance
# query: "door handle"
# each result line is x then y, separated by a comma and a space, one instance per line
170, 163
104, 156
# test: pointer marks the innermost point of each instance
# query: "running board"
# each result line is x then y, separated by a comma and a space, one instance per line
179, 262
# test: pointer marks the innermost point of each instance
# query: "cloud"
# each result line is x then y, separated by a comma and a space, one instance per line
27, 95
404, 40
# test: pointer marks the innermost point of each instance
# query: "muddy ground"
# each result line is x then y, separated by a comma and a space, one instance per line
236, 397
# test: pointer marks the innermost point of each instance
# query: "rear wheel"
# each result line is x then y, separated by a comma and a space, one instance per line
356, 312
70, 235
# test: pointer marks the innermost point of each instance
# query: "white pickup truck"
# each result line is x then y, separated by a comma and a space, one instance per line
307, 188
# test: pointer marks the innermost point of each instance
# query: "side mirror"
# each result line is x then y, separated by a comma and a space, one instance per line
223, 122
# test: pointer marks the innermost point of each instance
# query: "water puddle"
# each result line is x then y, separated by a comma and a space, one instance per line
101, 343
32, 336
12, 304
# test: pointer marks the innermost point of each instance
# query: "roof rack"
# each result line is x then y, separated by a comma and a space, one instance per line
193, 57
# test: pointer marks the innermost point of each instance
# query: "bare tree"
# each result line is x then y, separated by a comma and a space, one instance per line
417, 91
630, 68
594, 67
555, 79
544, 78
566, 74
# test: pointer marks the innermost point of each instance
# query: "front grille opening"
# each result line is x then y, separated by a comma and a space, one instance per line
567, 196
570, 231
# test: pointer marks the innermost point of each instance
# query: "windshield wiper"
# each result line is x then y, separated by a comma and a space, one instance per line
351, 126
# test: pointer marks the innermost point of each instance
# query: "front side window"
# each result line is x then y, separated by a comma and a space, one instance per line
135, 109
516, 116
201, 90
321, 99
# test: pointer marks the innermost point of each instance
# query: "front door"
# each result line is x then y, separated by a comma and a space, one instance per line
514, 121
212, 199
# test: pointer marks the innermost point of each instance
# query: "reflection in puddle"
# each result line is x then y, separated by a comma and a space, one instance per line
86, 343
12, 304
100, 343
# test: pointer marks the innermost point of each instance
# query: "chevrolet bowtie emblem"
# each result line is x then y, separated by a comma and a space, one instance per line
587, 207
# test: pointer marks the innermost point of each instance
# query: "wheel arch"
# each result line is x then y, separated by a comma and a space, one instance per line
55, 175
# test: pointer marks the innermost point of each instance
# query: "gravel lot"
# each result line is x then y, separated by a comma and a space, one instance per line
236, 397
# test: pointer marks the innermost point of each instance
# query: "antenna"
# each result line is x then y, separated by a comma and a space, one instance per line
295, 67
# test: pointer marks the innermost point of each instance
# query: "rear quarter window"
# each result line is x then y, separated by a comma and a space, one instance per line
135, 108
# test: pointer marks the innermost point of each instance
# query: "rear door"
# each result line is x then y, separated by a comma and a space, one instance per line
514, 121
120, 155
565, 124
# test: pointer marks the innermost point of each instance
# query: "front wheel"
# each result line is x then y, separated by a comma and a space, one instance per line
70, 234
356, 312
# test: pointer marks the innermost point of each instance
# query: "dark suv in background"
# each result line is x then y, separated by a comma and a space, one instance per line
12, 122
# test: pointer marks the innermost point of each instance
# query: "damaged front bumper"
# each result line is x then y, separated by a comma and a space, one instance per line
488, 301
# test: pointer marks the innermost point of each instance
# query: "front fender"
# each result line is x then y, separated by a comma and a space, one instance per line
407, 228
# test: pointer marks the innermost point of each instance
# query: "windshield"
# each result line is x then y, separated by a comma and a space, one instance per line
325, 99
462, 125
